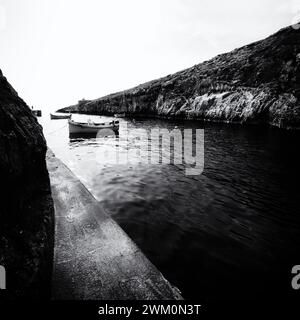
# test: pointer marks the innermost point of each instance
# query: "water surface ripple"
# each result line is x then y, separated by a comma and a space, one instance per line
232, 232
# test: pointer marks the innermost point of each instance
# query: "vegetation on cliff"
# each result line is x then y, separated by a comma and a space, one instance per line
26, 206
257, 83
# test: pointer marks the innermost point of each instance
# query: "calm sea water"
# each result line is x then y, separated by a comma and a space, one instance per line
231, 232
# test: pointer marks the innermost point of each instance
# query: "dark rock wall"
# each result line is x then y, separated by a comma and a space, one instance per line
26, 206
258, 83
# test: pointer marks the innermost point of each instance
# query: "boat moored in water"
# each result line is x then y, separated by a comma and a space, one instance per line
37, 113
57, 115
91, 125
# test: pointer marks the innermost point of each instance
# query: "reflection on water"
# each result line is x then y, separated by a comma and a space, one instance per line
231, 232
87, 137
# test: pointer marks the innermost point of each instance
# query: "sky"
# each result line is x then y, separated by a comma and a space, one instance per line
55, 52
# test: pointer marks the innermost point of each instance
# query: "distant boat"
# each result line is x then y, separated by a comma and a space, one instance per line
120, 115
37, 113
57, 115
92, 125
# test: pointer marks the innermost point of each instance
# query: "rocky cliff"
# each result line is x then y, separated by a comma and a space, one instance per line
26, 207
257, 83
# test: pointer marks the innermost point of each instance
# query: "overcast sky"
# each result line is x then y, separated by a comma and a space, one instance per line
55, 52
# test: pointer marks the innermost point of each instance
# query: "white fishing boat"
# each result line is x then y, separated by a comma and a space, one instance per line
91, 125
57, 115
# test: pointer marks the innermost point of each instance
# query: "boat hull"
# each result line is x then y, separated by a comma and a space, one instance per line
86, 128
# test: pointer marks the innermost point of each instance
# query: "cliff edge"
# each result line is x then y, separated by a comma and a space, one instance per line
257, 83
26, 206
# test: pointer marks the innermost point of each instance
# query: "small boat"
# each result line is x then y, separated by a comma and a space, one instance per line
92, 125
57, 115
37, 113
120, 115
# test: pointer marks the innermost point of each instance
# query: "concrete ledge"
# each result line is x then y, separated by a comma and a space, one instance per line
93, 257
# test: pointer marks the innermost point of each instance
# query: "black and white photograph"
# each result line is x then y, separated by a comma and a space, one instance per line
149, 157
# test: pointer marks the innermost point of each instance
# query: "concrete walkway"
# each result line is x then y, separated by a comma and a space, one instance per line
93, 256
